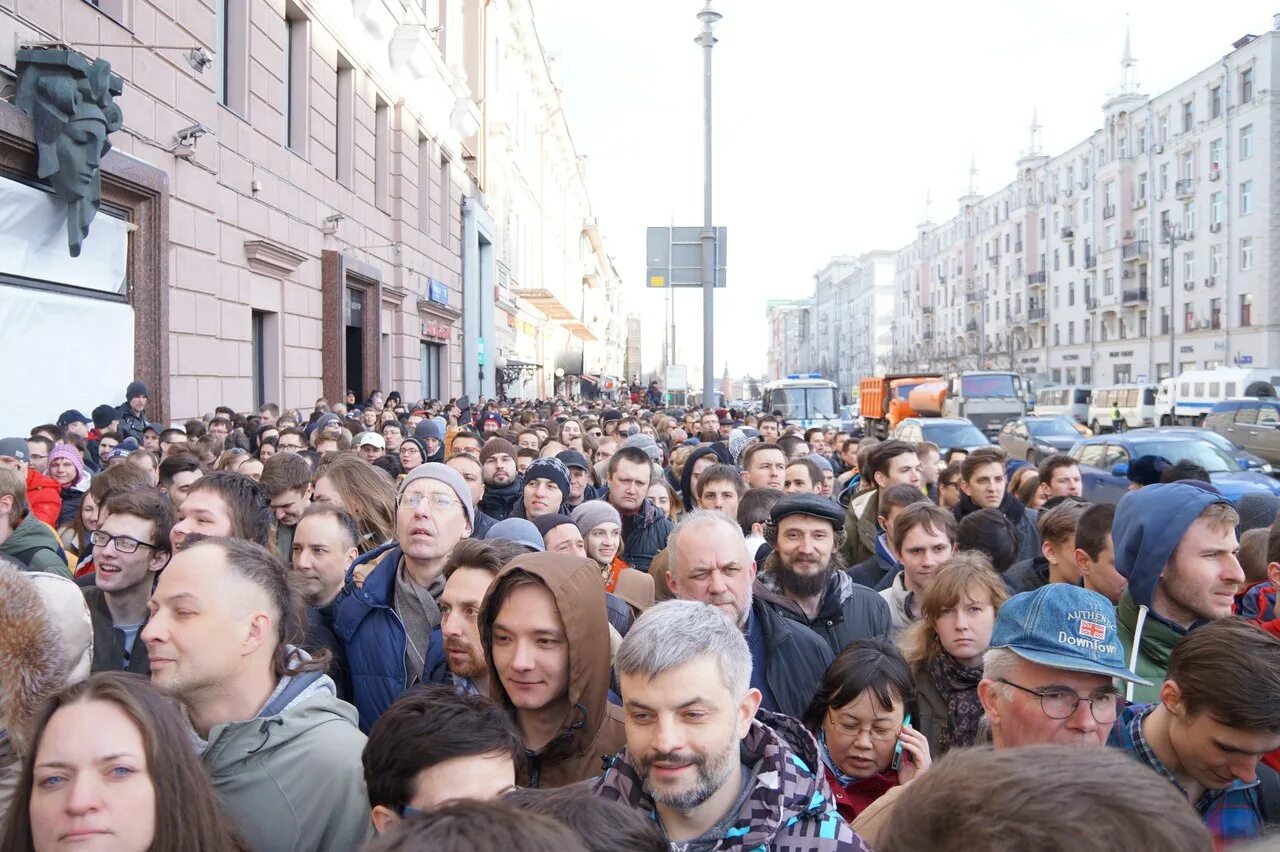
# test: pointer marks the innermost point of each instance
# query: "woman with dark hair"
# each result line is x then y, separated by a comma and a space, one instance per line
945, 648
115, 740
861, 715
992, 534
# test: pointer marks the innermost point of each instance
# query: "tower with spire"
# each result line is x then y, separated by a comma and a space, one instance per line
1128, 96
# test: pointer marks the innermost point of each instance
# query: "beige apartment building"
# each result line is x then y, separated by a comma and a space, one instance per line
1066, 273
300, 202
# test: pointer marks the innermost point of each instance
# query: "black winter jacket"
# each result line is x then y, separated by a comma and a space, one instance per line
847, 611
795, 657
644, 534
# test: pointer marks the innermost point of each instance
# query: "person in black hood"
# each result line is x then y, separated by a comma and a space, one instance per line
699, 460
503, 487
432, 437
983, 485
132, 413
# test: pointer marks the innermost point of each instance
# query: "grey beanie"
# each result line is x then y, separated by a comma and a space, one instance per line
644, 442
822, 462
428, 429
447, 475
517, 530
593, 513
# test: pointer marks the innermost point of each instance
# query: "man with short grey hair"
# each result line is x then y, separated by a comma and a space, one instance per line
708, 562
698, 761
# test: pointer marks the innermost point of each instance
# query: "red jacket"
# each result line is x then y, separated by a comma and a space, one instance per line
44, 497
852, 800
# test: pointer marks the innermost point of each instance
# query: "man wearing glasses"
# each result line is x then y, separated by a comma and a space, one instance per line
390, 625
1048, 677
130, 547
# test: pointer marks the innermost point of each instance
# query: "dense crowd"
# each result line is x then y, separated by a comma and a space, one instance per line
594, 625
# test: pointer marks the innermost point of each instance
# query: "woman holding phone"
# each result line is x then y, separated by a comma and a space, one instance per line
861, 716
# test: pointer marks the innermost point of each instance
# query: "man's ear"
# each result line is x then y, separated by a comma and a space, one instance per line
384, 819
987, 697
1084, 564
1273, 572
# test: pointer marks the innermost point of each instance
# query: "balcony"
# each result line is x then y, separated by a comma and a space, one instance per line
928, 335
1037, 277
1068, 234
972, 296
971, 326
1035, 314
1091, 303
1137, 296
1108, 211
547, 302
926, 311
1137, 250
1184, 189
1091, 260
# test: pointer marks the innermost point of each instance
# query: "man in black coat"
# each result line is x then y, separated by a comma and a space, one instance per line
708, 562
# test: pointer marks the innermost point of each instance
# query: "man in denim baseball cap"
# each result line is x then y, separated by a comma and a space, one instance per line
1049, 674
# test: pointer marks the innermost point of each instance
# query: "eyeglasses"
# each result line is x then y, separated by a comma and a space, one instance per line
1058, 703
124, 543
439, 502
942, 483
853, 731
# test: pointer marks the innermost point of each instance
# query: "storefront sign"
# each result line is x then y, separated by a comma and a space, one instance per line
1128, 353
1070, 357
433, 330
1186, 349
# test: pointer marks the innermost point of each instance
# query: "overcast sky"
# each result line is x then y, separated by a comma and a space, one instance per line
832, 120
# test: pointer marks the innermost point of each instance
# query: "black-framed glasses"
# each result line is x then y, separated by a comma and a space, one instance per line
124, 543
1059, 703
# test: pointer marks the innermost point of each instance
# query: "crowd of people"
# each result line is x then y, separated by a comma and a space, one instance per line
588, 625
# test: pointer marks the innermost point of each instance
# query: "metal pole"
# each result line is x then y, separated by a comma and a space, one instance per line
708, 17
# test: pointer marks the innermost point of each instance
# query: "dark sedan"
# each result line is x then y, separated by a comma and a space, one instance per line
1104, 462
948, 433
1037, 438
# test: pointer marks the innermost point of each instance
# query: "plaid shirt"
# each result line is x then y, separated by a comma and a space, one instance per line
1231, 814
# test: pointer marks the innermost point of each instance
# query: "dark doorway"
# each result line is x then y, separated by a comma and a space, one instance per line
355, 341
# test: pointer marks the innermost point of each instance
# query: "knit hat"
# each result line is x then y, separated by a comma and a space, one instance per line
573, 458
550, 469
447, 475
1256, 511
70, 416
546, 523
593, 513
428, 429
103, 415
325, 419
136, 388
71, 454
517, 530
822, 462
610, 414
643, 442
417, 442
15, 448
494, 446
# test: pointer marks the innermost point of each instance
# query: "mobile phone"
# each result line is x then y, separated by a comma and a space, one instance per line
897, 749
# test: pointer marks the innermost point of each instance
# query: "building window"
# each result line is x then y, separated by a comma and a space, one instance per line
1189, 217
1188, 317
1215, 102
344, 121
1246, 253
1071, 293
1164, 272
1123, 374
1164, 128
1087, 328
1086, 375
1246, 85
1057, 336
1109, 237
446, 178
426, 189
1188, 116
1246, 198
1215, 154
1215, 208
1188, 266
1218, 260
297, 78
1246, 142
259, 347
1246, 309
1142, 187
1108, 283
1164, 320
232, 22
1164, 179
381, 154
431, 357
1188, 166
1215, 313
1071, 333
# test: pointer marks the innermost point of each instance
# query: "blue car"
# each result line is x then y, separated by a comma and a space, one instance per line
1104, 462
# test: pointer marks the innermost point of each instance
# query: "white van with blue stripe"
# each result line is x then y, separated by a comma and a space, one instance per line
1186, 400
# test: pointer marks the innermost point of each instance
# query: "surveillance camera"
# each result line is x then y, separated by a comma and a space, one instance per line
192, 133
334, 218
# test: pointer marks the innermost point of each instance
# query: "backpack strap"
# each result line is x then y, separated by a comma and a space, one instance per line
1269, 794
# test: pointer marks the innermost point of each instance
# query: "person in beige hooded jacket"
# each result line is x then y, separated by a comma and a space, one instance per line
46, 644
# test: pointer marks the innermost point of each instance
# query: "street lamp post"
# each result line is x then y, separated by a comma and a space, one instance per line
707, 40
1173, 235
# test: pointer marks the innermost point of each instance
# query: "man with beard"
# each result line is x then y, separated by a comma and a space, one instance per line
708, 562
803, 576
698, 760
502, 486
467, 576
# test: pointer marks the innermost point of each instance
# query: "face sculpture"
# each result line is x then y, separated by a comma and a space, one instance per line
71, 101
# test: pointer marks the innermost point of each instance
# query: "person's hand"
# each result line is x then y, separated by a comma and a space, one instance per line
915, 754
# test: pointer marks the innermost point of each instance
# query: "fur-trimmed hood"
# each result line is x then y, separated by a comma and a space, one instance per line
46, 643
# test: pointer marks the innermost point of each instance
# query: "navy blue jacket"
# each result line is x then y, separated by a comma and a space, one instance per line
373, 636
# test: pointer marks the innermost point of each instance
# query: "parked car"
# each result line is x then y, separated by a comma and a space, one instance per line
1249, 422
1249, 460
850, 422
1036, 438
948, 433
1104, 462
